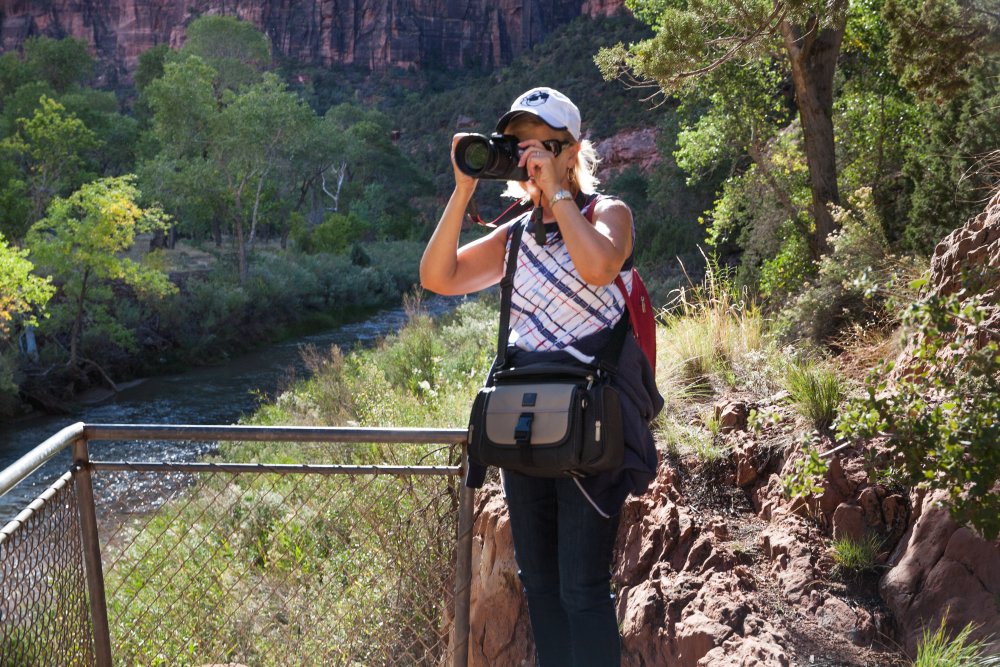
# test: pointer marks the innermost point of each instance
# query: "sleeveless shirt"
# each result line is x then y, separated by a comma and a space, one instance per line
552, 307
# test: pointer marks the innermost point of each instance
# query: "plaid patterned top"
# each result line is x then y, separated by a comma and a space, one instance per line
551, 305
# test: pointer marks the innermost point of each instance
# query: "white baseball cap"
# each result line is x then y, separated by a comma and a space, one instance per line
554, 108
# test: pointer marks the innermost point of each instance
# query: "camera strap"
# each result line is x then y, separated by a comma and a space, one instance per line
515, 210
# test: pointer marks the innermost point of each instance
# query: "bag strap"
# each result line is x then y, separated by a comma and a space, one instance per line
506, 292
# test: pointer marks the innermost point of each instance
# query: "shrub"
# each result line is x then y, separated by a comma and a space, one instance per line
942, 414
816, 392
850, 284
806, 476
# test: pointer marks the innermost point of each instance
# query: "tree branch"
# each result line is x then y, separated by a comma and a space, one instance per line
770, 25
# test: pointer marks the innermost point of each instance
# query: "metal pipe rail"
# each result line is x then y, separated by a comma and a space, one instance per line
78, 436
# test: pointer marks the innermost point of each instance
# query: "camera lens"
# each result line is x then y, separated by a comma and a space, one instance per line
492, 158
476, 156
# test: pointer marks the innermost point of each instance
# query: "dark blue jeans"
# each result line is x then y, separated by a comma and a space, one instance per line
563, 548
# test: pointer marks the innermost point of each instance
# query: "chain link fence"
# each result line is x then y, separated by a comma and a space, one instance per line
44, 610
259, 565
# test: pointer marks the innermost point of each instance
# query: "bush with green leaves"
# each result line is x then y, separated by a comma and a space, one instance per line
336, 234
806, 476
942, 411
849, 287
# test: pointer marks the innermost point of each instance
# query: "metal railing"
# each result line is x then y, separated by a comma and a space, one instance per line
165, 563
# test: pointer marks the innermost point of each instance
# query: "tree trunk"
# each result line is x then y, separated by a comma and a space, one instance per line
74, 335
813, 55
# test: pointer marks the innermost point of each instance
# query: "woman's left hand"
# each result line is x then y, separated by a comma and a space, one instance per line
540, 164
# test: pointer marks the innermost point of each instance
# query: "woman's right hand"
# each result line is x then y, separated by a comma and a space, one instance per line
462, 180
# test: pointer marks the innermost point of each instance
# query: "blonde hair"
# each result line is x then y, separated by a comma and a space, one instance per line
582, 175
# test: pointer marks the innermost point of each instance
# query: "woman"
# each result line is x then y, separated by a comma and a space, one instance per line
563, 304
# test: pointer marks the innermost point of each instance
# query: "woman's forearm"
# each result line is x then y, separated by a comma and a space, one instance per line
439, 263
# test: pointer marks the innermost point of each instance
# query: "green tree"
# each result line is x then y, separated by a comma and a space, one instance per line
235, 49
80, 242
62, 63
936, 43
21, 292
253, 145
13, 74
180, 174
696, 38
50, 148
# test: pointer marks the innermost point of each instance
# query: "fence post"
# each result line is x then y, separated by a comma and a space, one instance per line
463, 566
92, 552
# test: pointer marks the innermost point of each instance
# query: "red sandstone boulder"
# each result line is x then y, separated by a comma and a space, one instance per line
944, 571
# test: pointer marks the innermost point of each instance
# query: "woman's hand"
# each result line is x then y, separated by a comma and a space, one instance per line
541, 166
462, 180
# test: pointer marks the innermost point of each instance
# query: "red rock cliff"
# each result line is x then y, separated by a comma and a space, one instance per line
372, 34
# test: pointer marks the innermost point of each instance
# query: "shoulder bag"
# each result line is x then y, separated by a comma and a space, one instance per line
550, 419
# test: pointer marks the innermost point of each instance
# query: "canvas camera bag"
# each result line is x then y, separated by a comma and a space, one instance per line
550, 419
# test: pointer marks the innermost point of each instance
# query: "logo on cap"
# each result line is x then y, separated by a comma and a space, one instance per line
536, 99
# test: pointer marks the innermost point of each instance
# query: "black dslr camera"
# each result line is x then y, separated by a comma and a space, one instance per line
490, 158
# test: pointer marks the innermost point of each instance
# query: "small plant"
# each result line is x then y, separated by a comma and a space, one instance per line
942, 415
709, 329
806, 476
816, 392
882, 471
936, 649
684, 439
760, 421
856, 556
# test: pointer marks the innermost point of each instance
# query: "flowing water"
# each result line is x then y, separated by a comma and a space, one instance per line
219, 394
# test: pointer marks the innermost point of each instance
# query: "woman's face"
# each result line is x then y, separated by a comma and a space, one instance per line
563, 162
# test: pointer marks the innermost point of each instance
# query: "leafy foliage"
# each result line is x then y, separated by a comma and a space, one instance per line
806, 475
936, 42
50, 148
61, 63
22, 292
849, 288
942, 414
79, 242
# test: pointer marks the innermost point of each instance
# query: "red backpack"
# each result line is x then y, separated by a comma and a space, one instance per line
640, 315
640, 308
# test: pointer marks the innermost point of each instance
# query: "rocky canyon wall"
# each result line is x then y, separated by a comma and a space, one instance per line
375, 35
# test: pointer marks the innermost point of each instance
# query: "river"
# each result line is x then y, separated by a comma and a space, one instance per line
219, 394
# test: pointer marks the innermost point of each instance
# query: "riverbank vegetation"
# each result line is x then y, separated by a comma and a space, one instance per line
213, 150
313, 568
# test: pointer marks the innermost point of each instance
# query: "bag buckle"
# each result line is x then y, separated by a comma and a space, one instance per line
522, 432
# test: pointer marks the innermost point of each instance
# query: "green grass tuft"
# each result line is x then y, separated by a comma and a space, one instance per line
856, 555
816, 392
937, 649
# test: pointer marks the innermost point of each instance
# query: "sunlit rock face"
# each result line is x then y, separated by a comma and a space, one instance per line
945, 571
371, 34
